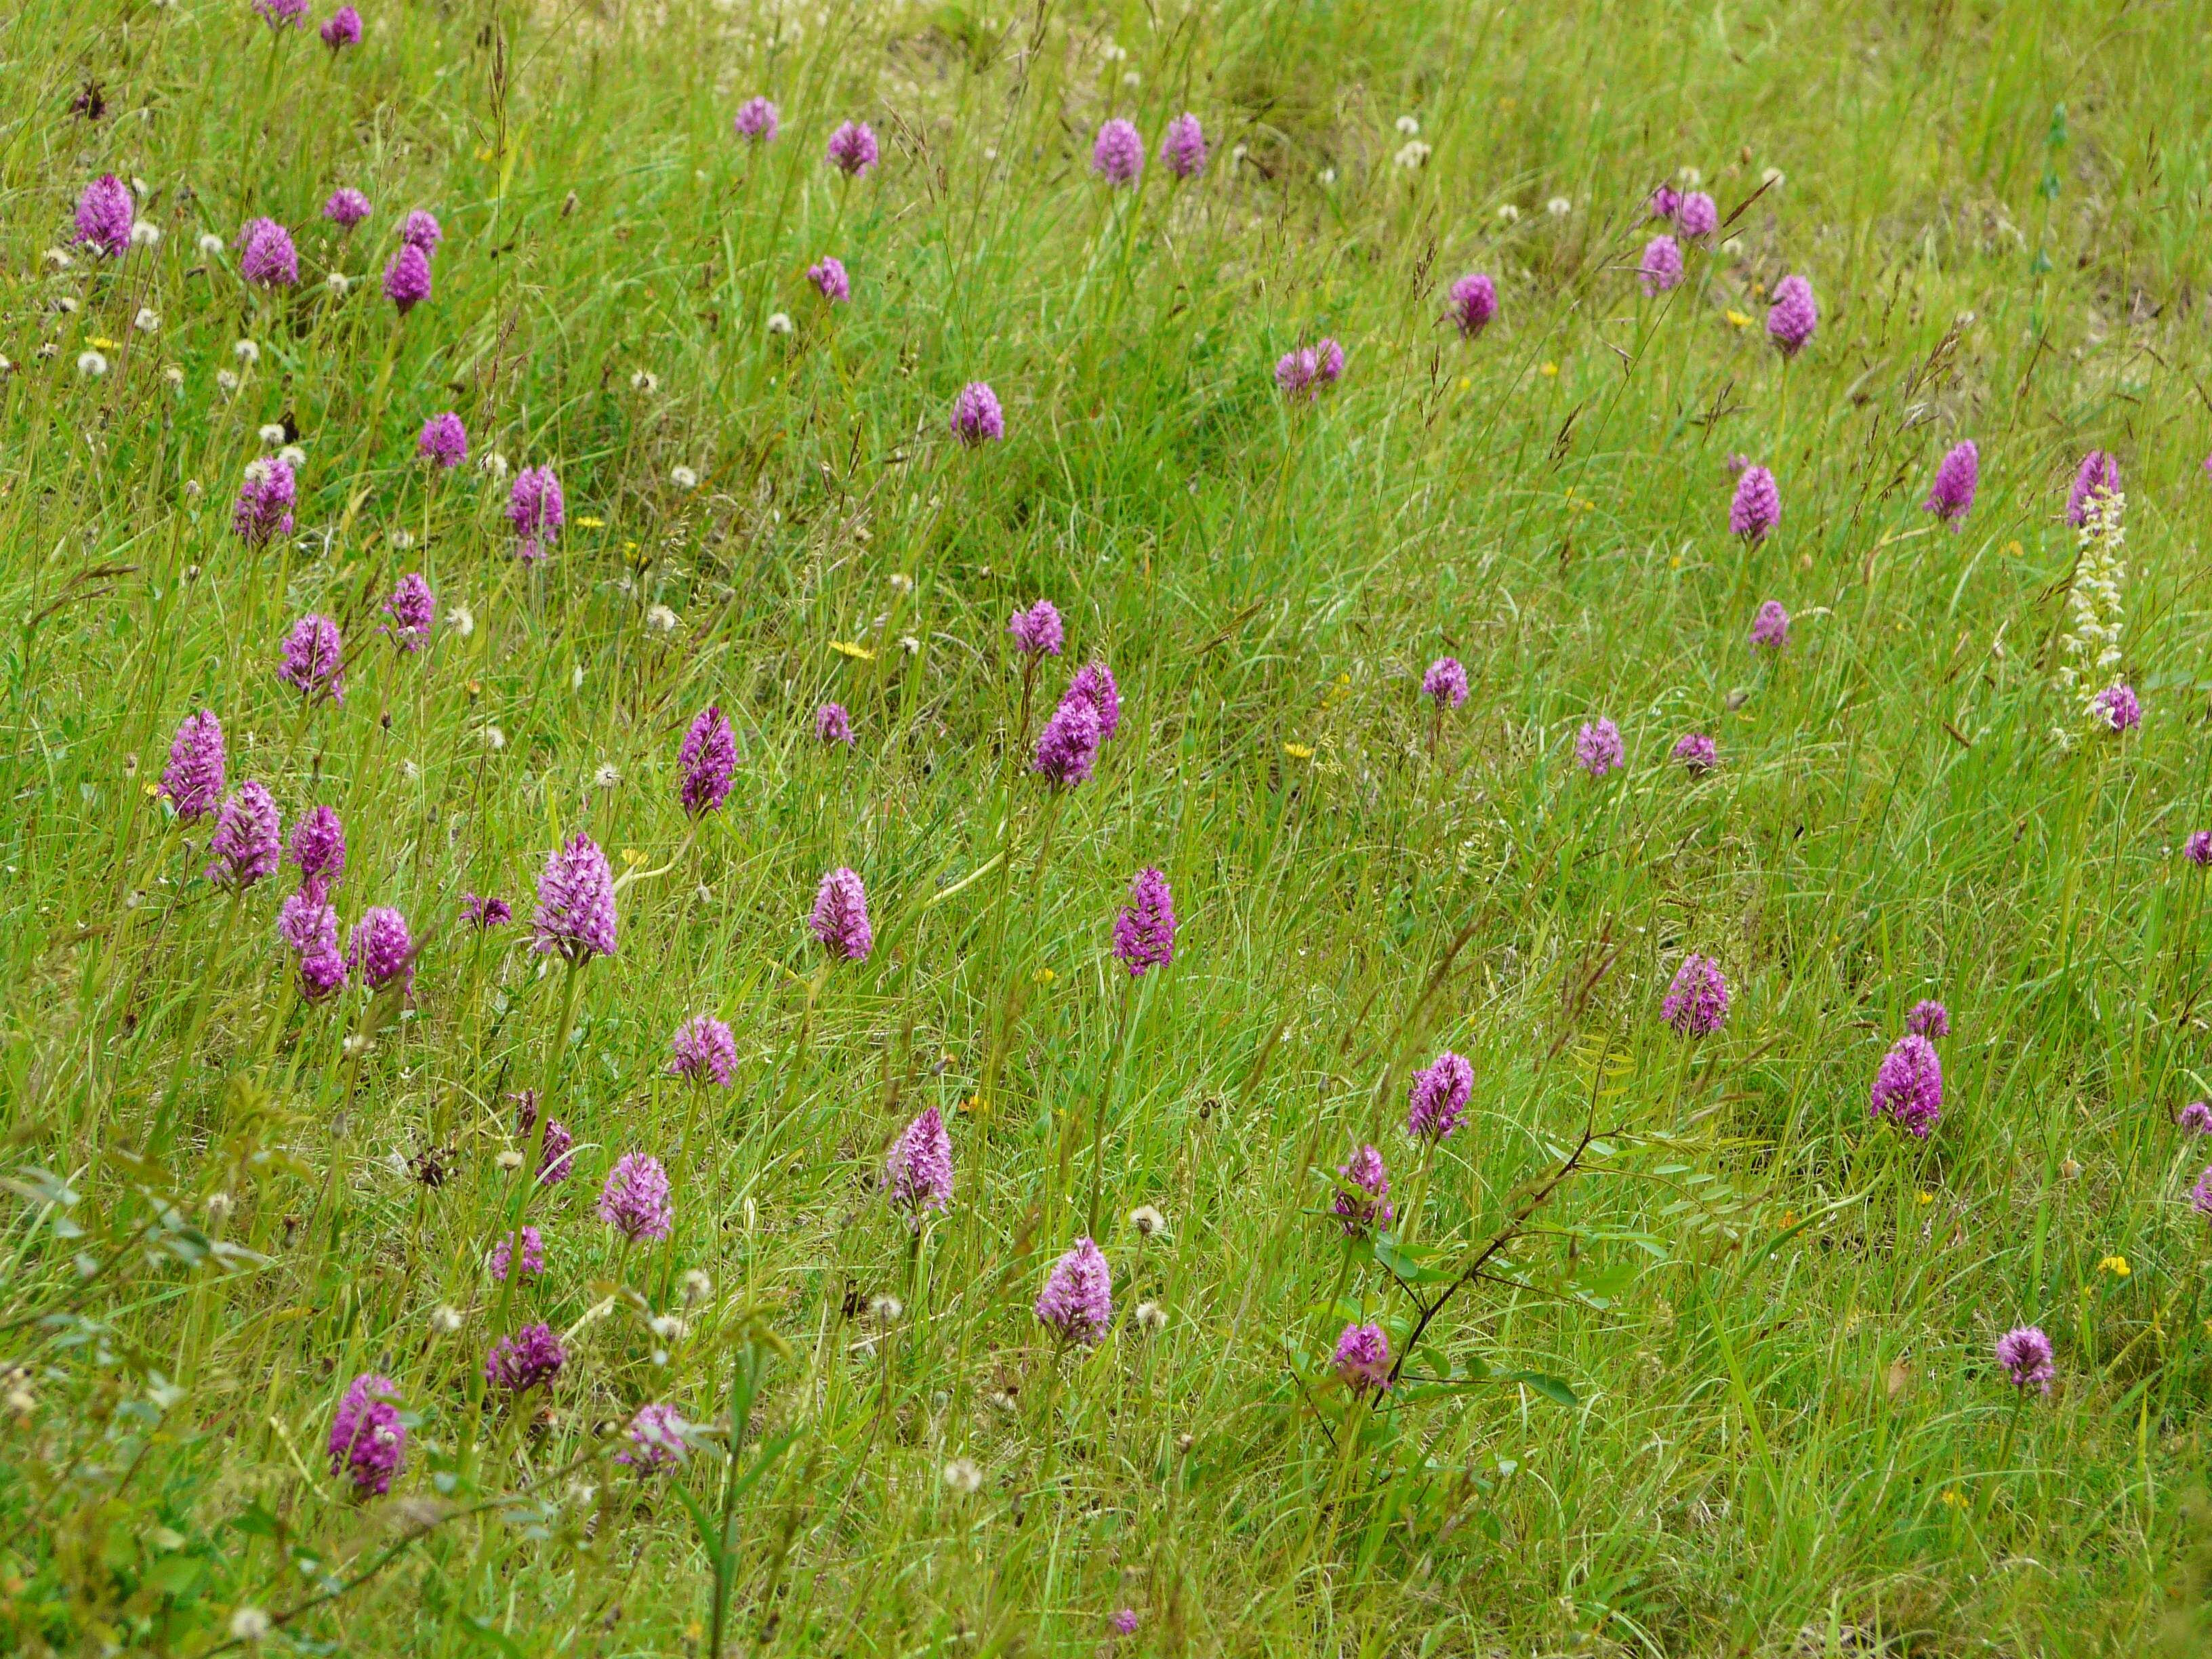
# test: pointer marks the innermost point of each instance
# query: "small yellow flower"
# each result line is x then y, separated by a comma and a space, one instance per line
1464, 383
1045, 976
1550, 371
2012, 549
1674, 562
104, 342
1954, 1497
1298, 750
1927, 1197
974, 1106
848, 649
2115, 1265
1735, 318
153, 790
633, 856
585, 521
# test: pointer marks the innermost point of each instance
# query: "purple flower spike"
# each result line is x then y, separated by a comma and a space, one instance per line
708, 757
920, 1172
485, 914
193, 778
1067, 747
1597, 747
319, 849
2195, 1118
1125, 1621
703, 1051
832, 724
2099, 472
2197, 849
1094, 684
1474, 304
1793, 316
534, 508
1297, 374
412, 609
1445, 683
346, 208
1952, 495
248, 841
104, 213
264, 508
2118, 706
444, 443
368, 1440
407, 279
1770, 628
1145, 931
828, 274
343, 29
1929, 1018
1438, 1096
1660, 268
1118, 156
1077, 1303
657, 1438
635, 1201
2024, 1353
1908, 1086
1328, 362
266, 257
840, 919
282, 13
1363, 1358
1698, 753
1756, 507
1663, 204
1696, 1001
575, 914
1183, 147
381, 950
1364, 1174
314, 661
422, 231
2200, 1195
853, 149
756, 120
1699, 216
533, 1254
976, 417
530, 1358
1037, 631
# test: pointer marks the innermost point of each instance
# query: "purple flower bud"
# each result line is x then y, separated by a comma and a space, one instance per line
412, 609
2118, 706
1756, 507
421, 231
976, 417
407, 278
266, 500
1094, 684
248, 840
318, 848
485, 914
1037, 631
533, 1254
104, 213
554, 1165
1118, 156
1145, 931
2099, 472
368, 1441
1067, 747
1183, 147
343, 29
575, 914
534, 508
530, 1358
1438, 1096
703, 1051
346, 208
308, 924
1663, 204
282, 13
1929, 1018
2024, 1353
1952, 495
1077, 1303
1363, 1358
1297, 374
314, 662
379, 951
1791, 321
2195, 1118
444, 440
634, 1200
1124, 1621
2200, 1195
1660, 267
1445, 683
828, 274
2197, 849
832, 724
708, 757
757, 120
193, 778
1699, 216
853, 148
1474, 303
1364, 1174
1328, 362
657, 1438
1698, 753
1770, 628
1597, 747
1908, 1086
1696, 1003
266, 257
840, 919
920, 1172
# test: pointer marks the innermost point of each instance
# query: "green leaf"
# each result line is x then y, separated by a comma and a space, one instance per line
483, 1631
1550, 1387
255, 1522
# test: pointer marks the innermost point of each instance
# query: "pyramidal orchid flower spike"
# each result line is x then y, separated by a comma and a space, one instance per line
920, 1172
709, 758
840, 918
1145, 931
1077, 1303
576, 917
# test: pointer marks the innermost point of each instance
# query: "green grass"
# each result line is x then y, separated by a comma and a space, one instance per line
1730, 1391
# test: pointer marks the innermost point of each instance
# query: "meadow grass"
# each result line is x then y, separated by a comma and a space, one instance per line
1717, 1374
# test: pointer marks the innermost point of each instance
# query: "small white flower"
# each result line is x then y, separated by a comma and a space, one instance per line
209, 244
510, 1159
57, 260
174, 376
341, 284
1508, 214
412, 772
1151, 1316
148, 320
257, 469
1558, 207
68, 305
219, 1205
193, 489
402, 539
444, 1320
962, 1476
697, 1287
900, 582
1147, 1221
885, 1308
1410, 125
1412, 155
270, 436
292, 455
89, 362
1773, 177
779, 322
145, 233
1131, 78
1691, 178
607, 776
1328, 176
52, 348
495, 464
461, 620
494, 740
683, 477
659, 619
246, 352
225, 382
645, 381
669, 1327
249, 1624
1238, 152
910, 645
